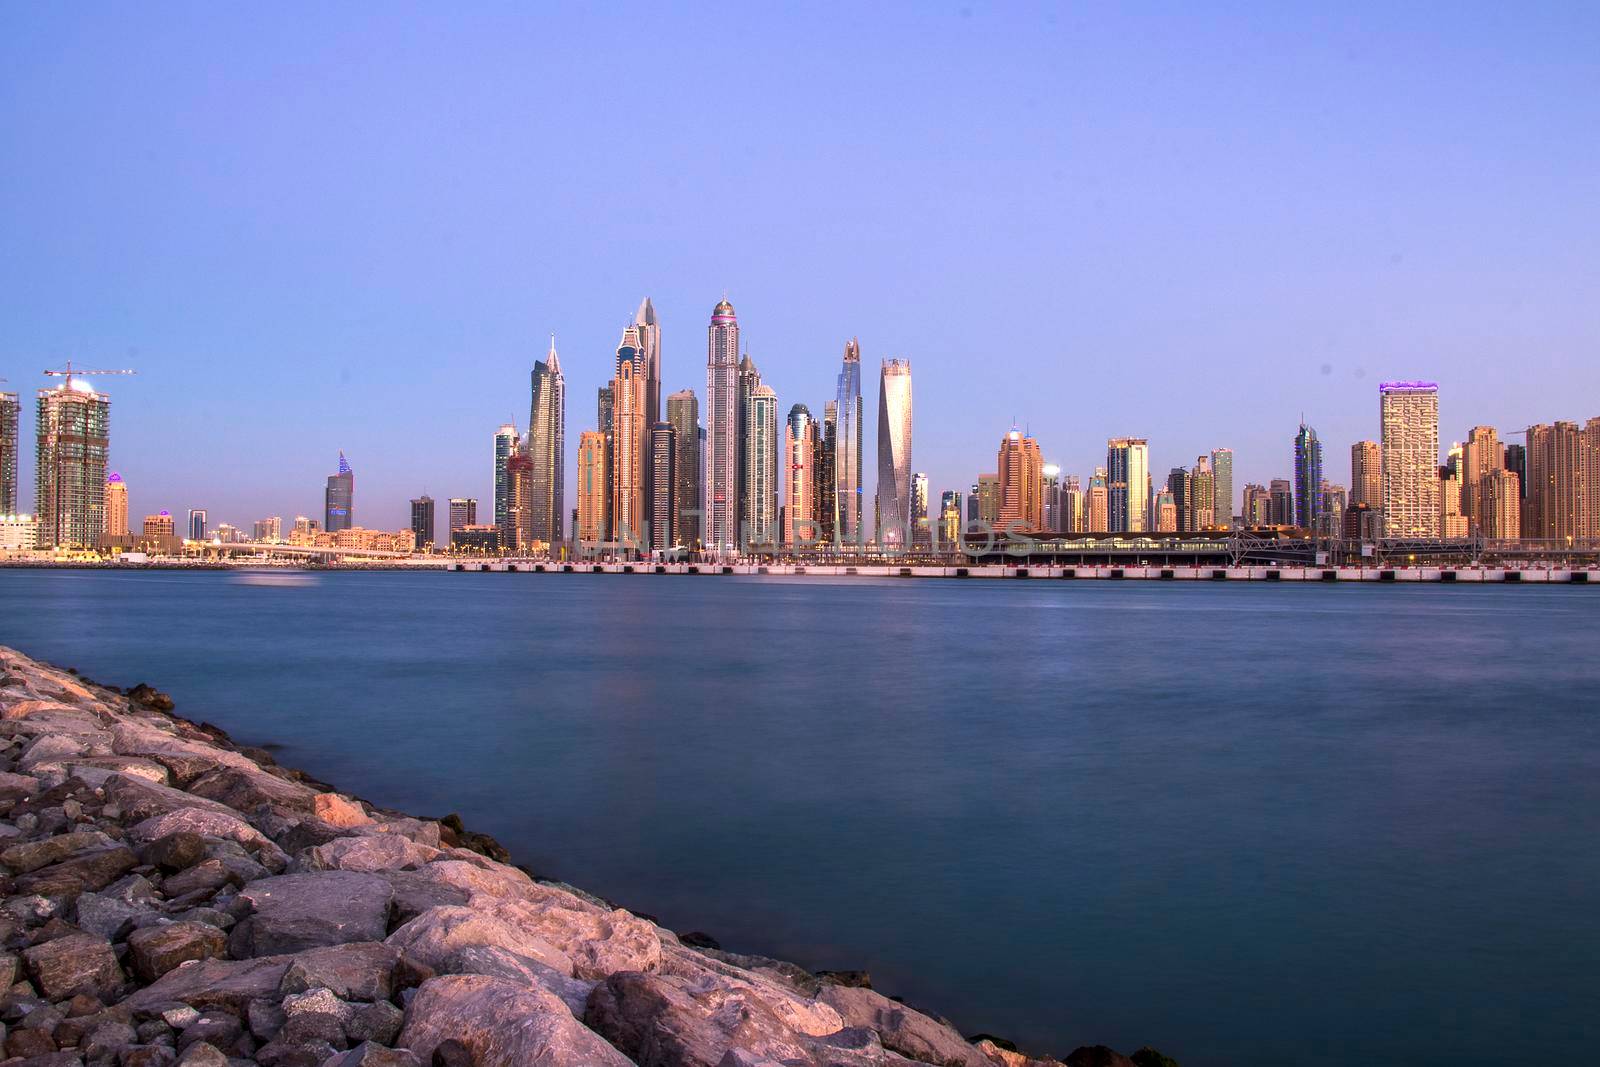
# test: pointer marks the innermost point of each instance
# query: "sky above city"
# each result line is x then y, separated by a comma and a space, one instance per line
340, 227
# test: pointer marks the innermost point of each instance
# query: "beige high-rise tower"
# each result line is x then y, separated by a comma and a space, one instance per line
1409, 414
1366, 474
116, 506
1482, 455
630, 447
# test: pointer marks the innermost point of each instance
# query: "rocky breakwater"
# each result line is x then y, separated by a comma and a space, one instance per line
170, 897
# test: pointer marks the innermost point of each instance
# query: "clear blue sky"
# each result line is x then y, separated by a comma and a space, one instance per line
348, 226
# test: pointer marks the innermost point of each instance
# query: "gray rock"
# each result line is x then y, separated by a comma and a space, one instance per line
77, 963
283, 1053
362, 970
501, 963
180, 1016
667, 1021
294, 912
370, 1054
502, 1024
215, 1027
379, 1021
371, 852
107, 916
202, 1054
83, 873
265, 1019
417, 891
439, 933
31, 855
108, 1039
244, 788
149, 1056
227, 984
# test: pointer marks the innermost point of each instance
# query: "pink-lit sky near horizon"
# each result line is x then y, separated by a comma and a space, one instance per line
313, 229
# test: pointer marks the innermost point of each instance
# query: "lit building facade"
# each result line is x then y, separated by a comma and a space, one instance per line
74, 443
1020, 476
506, 445
116, 506
547, 435
800, 455
463, 512
339, 499
1481, 456
722, 421
1307, 478
630, 444
760, 519
950, 517
1128, 484
1366, 474
268, 530
921, 533
1222, 481
892, 512
847, 446
1409, 416
18, 533
1098, 503
594, 498
197, 524
1499, 499
1552, 505
663, 468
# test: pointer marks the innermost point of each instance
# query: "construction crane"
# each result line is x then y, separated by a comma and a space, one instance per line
69, 372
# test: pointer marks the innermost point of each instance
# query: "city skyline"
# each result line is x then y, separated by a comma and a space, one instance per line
1375, 243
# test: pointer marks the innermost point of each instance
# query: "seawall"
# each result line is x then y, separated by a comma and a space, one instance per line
172, 897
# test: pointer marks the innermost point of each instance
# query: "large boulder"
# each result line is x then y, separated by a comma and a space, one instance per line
74, 964
207, 822
497, 962
141, 799
363, 970
155, 950
336, 810
243, 789
417, 891
83, 873
435, 936
294, 912
31, 855
371, 852
902, 1030
667, 1021
227, 984
799, 1011
502, 1024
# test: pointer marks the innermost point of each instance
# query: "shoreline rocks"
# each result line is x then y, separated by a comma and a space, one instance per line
171, 898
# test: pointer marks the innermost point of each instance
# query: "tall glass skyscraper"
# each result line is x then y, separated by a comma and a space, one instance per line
505, 447
1128, 484
547, 435
799, 477
650, 355
1222, 473
1307, 478
892, 513
339, 499
663, 464
847, 447
722, 422
74, 442
422, 521
197, 524
683, 413
760, 516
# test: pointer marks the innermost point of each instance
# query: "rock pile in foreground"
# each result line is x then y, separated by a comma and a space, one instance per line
170, 898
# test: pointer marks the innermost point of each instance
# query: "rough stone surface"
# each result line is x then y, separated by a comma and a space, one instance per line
155, 950
502, 1024
293, 912
76, 963
336, 810
902, 1030
364, 970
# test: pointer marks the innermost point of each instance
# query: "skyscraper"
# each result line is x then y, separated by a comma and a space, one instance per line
338, 499
1128, 484
1201, 513
1452, 520
1482, 455
1166, 512
722, 422
1552, 507
9, 419
1280, 497
1050, 498
892, 513
650, 355
1307, 477
1589, 448
1499, 495
629, 445
517, 533
1074, 511
748, 378
949, 518
1098, 503
760, 518
826, 496
1020, 473
1517, 463
594, 496
1366, 474
506, 445
1409, 413
1222, 474
74, 442
463, 512
987, 493
116, 506
847, 447
1257, 505
547, 434
422, 521
663, 487
800, 478
683, 412
921, 533
269, 530
197, 524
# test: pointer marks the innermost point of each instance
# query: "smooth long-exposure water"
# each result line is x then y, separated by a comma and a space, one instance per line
1247, 824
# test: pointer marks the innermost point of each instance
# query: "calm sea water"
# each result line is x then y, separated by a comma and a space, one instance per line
1245, 824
